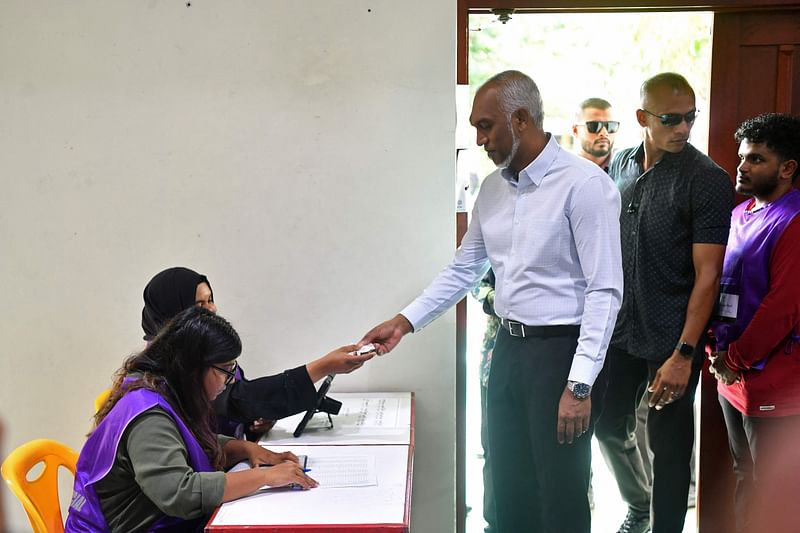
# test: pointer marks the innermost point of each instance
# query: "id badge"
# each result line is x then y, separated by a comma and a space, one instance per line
728, 307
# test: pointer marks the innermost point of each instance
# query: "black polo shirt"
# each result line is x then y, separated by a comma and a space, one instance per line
683, 199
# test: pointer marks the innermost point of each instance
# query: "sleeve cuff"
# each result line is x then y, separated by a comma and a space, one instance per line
415, 314
212, 487
583, 370
222, 440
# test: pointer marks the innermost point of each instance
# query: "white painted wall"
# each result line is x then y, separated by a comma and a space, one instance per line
300, 153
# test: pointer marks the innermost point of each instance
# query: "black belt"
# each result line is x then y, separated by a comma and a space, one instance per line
518, 329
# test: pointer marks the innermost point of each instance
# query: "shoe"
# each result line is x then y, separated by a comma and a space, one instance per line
635, 523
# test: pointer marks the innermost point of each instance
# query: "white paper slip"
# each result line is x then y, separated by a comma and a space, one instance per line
364, 418
343, 471
376, 413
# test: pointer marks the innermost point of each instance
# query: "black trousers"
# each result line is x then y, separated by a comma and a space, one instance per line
488, 490
766, 462
670, 432
540, 486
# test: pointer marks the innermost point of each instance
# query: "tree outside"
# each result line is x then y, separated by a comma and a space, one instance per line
608, 55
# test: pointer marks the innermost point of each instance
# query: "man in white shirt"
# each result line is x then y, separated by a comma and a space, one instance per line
547, 222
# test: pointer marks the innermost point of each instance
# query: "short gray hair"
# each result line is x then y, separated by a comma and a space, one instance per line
518, 91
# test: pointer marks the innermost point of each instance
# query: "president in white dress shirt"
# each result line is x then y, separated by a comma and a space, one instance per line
547, 222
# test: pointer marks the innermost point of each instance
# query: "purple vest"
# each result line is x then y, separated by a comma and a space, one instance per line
745, 273
97, 458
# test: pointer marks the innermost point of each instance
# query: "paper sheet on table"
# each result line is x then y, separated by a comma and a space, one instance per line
364, 418
343, 471
384, 503
335, 472
365, 413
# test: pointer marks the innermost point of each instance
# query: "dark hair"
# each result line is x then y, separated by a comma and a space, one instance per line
595, 103
779, 131
167, 294
672, 80
174, 365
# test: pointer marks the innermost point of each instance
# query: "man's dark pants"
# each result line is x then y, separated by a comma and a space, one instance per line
766, 462
670, 432
488, 491
540, 485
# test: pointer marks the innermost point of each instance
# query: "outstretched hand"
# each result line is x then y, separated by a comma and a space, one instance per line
386, 335
340, 361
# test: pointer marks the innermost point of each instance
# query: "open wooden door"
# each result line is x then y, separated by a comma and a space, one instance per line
755, 68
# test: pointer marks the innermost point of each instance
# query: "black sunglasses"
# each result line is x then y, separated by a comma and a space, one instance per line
230, 375
594, 126
673, 119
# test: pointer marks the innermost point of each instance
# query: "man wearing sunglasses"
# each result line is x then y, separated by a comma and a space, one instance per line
674, 224
595, 130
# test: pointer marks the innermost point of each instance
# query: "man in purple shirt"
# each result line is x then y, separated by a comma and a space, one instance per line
547, 222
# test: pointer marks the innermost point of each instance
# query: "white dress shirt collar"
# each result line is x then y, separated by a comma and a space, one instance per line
536, 170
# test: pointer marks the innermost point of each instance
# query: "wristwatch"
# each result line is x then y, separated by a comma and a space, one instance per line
579, 390
685, 349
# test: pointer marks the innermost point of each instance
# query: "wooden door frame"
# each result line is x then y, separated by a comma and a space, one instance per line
468, 7
719, 120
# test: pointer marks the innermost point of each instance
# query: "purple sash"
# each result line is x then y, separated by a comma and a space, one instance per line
97, 458
745, 272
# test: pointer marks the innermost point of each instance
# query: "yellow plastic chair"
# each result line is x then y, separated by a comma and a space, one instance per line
101, 400
40, 496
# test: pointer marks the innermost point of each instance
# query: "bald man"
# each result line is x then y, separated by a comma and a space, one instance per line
674, 224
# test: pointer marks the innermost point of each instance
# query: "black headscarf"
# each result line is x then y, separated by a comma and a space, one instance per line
168, 293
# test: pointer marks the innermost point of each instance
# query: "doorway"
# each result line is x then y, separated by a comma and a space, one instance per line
572, 57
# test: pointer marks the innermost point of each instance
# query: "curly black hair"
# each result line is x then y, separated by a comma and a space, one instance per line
780, 132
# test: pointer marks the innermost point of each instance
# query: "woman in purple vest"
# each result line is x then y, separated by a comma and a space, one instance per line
250, 405
153, 461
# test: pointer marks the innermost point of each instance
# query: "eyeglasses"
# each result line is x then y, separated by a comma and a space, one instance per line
673, 119
230, 375
594, 126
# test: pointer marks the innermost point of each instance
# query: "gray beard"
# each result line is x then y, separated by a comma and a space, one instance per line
514, 148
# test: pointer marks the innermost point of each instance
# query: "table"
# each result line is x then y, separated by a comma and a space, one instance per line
365, 418
375, 425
